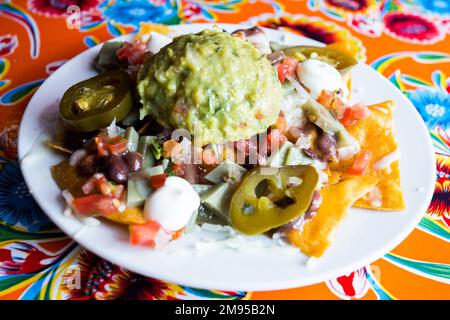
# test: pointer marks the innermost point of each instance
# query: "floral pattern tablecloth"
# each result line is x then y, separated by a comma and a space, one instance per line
407, 41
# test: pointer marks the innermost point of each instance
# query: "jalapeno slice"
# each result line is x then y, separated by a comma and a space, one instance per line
340, 60
94, 103
271, 197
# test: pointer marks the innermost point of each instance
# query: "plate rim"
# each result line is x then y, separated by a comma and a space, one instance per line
265, 285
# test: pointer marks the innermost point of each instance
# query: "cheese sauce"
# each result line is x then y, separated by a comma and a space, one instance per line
318, 76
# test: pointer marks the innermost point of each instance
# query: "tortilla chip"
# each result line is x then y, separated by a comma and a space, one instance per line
128, 216
376, 134
333, 176
147, 27
314, 239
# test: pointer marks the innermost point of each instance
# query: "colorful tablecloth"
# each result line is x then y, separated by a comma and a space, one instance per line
405, 40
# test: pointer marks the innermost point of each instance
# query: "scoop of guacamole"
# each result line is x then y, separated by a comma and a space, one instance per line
216, 86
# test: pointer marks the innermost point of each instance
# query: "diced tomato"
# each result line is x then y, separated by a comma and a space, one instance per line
101, 184
347, 118
287, 68
132, 52
361, 163
102, 149
338, 106
355, 113
326, 98
177, 234
157, 181
145, 234
117, 147
95, 204
360, 111
178, 169
274, 140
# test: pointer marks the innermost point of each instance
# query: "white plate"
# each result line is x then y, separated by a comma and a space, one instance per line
362, 238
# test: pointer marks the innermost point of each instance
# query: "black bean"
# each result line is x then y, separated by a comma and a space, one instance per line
114, 168
133, 160
87, 166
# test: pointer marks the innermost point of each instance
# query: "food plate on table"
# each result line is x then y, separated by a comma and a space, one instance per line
310, 164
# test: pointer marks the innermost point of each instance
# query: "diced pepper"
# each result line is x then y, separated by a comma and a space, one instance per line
94, 103
264, 200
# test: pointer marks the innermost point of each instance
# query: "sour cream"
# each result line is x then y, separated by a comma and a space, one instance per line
172, 205
157, 41
317, 76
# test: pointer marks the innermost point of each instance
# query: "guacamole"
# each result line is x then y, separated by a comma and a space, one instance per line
216, 86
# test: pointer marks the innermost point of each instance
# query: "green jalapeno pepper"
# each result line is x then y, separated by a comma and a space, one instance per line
340, 60
94, 103
271, 197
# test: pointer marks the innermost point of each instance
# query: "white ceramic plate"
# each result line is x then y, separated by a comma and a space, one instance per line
362, 238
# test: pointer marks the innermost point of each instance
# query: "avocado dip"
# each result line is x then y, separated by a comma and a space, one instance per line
216, 86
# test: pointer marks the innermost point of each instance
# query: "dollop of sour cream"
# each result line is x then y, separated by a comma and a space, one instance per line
317, 76
172, 205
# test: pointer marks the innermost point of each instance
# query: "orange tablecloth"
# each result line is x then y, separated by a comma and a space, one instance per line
405, 40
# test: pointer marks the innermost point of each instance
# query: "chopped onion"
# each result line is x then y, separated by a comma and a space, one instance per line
154, 171
211, 227
68, 197
88, 187
77, 156
90, 221
114, 130
67, 211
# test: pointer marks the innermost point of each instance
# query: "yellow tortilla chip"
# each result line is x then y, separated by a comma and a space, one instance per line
333, 176
314, 239
128, 216
376, 134
147, 27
